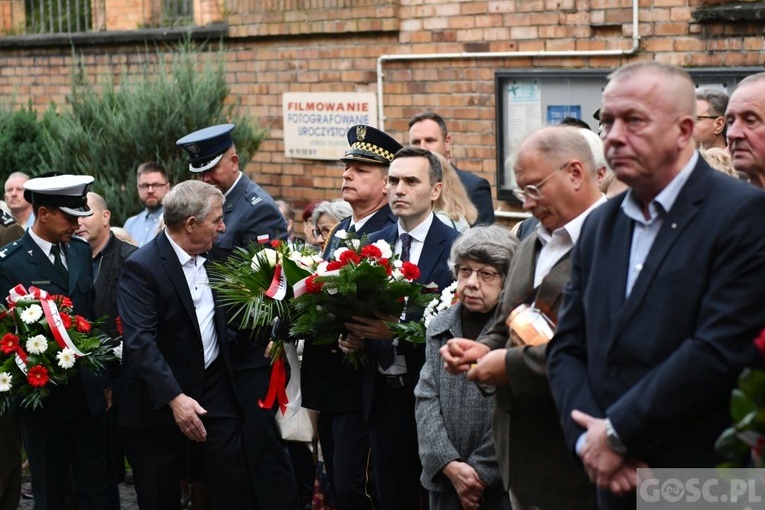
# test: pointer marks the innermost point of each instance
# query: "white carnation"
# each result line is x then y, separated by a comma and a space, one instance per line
384, 248
341, 234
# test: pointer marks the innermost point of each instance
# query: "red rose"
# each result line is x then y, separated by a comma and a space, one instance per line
66, 319
9, 343
82, 324
335, 264
118, 323
760, 342
275, 244
410, 271
349, 256
371, 251
311, 286
38, 376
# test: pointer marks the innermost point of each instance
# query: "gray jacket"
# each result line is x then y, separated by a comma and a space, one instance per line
453, 416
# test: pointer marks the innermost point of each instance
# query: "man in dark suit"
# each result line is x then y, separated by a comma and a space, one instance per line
251, 216
414, 183
109, 255
665, 296
66, 439
329, 384
178, 388
557, 176
428, 130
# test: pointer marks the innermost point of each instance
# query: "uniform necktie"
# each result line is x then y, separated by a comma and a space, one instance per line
352, 230
57, 262
406, 246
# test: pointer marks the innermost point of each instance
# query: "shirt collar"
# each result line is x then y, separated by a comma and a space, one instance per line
108, 242
420, 232
239, 177
573, 228
183, 257
153, 214
44, 245
664, 201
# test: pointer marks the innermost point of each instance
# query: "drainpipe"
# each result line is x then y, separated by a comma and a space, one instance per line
500, 54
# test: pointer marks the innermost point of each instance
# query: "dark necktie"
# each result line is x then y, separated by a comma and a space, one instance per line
406, 246
388, 350
352, 230
57, 262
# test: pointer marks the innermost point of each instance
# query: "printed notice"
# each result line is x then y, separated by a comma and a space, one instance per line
316, 123
524, 115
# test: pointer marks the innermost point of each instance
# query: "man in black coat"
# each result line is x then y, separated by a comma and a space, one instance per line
428, 130
66, 439
109, 255
329, 384
178, 390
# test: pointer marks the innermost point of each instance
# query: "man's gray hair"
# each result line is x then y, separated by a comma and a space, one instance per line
338, 209
493, 245
187, 199
716, 99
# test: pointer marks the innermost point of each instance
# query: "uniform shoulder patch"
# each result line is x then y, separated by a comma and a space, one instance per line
6, 219
7, 250
255, 200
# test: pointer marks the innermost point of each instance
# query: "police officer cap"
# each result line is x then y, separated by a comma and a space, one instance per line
66, 192
205, 147
370, 145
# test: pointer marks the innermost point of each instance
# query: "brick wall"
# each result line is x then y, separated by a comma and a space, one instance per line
333, 45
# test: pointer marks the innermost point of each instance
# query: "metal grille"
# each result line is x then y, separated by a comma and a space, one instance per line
57, 16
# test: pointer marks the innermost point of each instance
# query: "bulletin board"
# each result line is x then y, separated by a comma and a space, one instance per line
532, 98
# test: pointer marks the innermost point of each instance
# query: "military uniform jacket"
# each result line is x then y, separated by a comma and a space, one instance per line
23, 262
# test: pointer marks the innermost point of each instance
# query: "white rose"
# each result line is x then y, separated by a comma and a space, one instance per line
355, 244
397, 275
321, 269
341, 234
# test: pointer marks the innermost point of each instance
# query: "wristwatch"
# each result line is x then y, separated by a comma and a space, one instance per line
612, 439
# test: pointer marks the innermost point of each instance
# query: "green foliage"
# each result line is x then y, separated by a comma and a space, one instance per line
20, 140
114, 126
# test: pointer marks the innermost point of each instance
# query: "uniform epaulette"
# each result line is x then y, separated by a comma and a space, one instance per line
6, 220
8, 249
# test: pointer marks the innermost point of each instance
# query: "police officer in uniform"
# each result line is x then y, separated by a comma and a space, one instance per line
251, 216
66, 439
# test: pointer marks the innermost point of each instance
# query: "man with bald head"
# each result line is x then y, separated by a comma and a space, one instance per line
665, 294
745, 117
558, 183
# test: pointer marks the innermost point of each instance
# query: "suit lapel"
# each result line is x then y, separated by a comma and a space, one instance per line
172, 266
675, 223
521, 282
74, 268
431, 251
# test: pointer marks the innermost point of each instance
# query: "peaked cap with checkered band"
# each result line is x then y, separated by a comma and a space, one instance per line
370, 145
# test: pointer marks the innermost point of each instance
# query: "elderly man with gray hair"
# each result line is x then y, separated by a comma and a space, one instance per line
179, 391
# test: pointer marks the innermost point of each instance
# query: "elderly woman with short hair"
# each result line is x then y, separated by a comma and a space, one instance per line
453, 416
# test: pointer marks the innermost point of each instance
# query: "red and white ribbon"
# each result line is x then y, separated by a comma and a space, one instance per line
278, 288
51, 314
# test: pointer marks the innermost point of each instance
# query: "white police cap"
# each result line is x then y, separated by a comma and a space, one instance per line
66, 192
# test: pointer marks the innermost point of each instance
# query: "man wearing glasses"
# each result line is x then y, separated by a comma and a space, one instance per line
153, 185
556, 172
709, 130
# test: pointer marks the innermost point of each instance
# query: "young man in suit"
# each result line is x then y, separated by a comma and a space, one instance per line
178, 389
557, 176
414, 183
428, 130
66, 439
329, 384
665, 296
251, 216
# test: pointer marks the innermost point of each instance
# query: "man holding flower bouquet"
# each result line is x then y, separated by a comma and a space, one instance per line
66, 438
413, 184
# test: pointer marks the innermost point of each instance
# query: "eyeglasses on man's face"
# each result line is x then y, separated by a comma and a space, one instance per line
707, 116
533, 191
484, 275
153, 185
